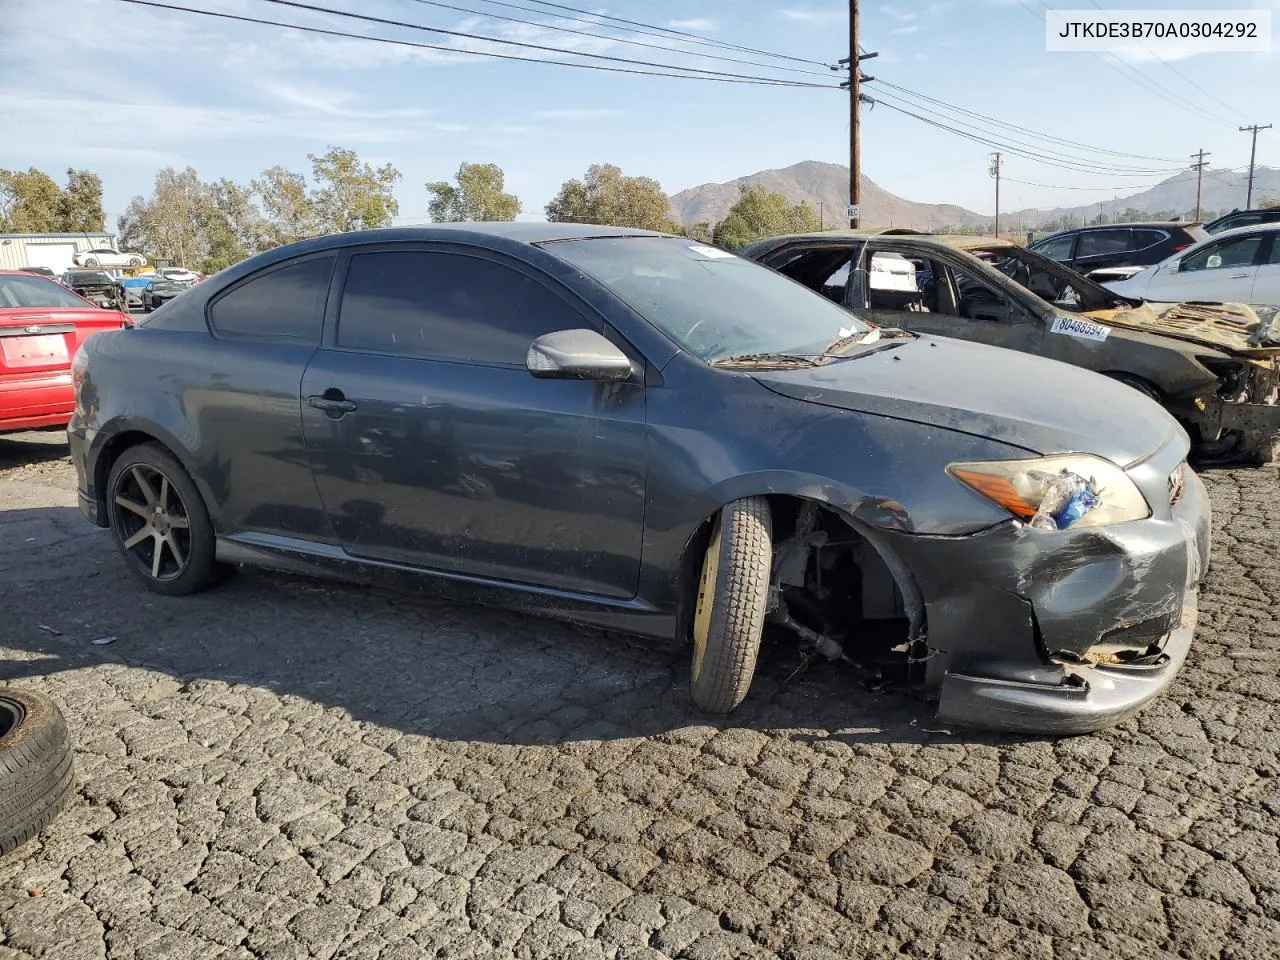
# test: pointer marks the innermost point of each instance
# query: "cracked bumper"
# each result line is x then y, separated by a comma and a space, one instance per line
1022, 626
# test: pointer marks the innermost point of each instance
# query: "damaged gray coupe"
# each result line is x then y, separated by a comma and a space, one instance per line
652, 435
1214, 366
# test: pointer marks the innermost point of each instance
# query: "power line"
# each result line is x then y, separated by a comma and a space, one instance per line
666, 34
1021, 147
1179, 72
1000, 144
760, 81
668, 30
1018, 127
465, 35
1133, 75
615, 39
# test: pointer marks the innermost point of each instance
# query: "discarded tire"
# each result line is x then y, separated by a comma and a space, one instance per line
36, 774
732, 595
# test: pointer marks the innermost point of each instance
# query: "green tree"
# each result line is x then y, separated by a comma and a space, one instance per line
233, 226
759, 214
30, 202
287, 206
606, 196
478, 196
350, 195
171, 223
80, 204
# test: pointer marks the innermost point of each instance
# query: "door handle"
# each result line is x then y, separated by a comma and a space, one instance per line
1238, 276
334, 406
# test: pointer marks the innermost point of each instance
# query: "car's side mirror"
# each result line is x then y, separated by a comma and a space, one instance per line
577, 355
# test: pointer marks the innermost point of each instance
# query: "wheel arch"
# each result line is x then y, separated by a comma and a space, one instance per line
785, 506
125, 433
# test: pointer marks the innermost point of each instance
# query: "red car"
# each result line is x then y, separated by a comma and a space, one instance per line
42, 324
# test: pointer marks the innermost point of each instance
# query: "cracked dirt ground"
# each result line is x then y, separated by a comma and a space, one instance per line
285, 768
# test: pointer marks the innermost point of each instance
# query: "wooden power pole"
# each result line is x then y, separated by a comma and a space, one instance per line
1198, 167
1253, 156
995, 172
854, 83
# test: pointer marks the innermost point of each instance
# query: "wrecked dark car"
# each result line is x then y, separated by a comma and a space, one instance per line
99, 288
652, 435
1215, 367
159, 292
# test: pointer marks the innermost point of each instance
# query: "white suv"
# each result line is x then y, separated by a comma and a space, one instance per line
1236, 266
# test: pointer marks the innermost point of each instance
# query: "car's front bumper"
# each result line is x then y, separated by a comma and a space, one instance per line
1061, 632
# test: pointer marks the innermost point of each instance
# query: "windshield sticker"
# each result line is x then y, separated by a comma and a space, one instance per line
1081, 329
710, 252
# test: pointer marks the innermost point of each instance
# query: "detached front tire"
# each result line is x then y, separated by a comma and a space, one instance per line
36, 774
733, 594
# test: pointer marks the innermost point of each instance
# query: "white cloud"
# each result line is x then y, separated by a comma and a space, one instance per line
897, 13
813, 16
911, 29
580, 113
701, 23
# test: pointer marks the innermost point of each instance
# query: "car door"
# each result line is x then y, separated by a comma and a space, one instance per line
1223, 270
1103, 248
1266, 285
432, 445
964, 303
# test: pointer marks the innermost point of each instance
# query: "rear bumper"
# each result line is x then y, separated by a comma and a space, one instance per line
30, 404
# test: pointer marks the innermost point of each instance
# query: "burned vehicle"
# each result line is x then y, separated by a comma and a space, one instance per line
653, 435
99, 288
1215, 367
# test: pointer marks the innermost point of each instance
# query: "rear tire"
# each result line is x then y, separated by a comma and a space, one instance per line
160, 524
733, 594
36, 772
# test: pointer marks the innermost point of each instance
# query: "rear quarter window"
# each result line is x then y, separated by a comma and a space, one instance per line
285, 303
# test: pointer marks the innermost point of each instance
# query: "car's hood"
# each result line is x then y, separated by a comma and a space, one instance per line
1233, 327
1039, 405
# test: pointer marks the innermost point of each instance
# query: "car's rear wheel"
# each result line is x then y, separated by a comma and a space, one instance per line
160, 523
135, 261
733, 594
36, 775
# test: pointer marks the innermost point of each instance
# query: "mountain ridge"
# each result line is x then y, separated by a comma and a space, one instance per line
825, 187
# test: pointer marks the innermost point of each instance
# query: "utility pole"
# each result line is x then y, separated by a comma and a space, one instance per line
1253, 156
1198, 167
854, 83
822, 219
995, 172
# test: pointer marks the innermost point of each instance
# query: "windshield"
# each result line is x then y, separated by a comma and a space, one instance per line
89, 277
713, 303
33, 291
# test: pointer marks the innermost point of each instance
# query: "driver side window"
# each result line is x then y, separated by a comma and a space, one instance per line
1224, 255
978, 300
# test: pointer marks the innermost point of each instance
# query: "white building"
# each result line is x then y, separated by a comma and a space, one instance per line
52, 250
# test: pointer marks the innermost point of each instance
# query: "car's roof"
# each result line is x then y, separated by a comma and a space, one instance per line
1165, 224
519, 231
954, 241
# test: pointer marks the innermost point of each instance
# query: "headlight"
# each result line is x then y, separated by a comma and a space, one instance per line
1053, 493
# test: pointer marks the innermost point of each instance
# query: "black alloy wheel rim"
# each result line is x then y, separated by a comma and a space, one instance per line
152, 522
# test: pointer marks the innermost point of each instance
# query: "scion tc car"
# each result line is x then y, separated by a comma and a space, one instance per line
1213, 366
42, 324
645, 433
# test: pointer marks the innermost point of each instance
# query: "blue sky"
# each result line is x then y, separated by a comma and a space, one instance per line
125, 90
